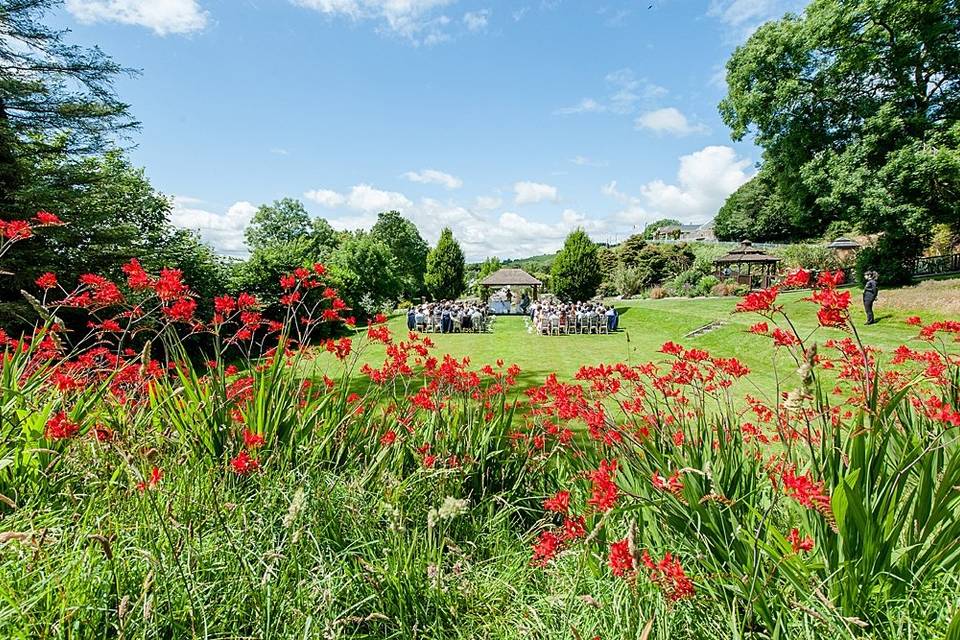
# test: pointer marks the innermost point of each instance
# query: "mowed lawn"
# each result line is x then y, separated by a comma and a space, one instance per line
645, 325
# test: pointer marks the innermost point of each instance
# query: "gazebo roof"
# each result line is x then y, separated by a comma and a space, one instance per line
746, 253
510, 277
844, 243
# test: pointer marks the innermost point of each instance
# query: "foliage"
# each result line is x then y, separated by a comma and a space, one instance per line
856, 107
756, 212
487, 267
576, 274
409, 250
48, 87
445, 268
651, 229
365, 267
808, 256
629, 281
891, 257
281, 223
944, 241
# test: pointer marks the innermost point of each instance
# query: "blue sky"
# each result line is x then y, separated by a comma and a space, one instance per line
511, 122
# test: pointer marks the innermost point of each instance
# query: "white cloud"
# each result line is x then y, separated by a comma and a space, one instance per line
224, 231
416, 20
668, 120
486, 203
476, 20
365, 198
742, 17
277, 151
432, 176
531, 192
704, 180
626, 92
162, 16
325, 197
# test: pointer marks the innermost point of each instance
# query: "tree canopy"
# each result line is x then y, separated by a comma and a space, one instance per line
856, 106
445, 268
576, 272
408, 247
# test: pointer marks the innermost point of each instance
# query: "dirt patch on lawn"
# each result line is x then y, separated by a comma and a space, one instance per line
938, 296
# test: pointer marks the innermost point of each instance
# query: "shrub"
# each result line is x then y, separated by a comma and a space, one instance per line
658, 293
808, 256
706, 285
892, 257
629, 281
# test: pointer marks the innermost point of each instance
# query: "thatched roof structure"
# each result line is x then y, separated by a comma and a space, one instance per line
844, 243
510, 278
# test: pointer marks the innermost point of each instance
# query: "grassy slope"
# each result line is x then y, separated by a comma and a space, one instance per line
646, 325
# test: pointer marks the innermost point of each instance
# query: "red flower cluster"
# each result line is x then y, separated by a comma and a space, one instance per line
798, 543
60, 427
243, 464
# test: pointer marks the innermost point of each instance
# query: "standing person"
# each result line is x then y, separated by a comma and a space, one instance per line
411, 318
870, 292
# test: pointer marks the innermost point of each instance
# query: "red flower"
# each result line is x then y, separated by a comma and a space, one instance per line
46, 218
252, 440
574, 528
829, 280
47, 281
155, 475
805, 490
137, 277
243, 464
799, 544
60, 427
604, 490
181, 310
783, 338
758, 301
761, 328
914, 320
388, 438
560, 503
671, 348
669, 575
798, 278
545, 549
224, 304
620, 558
17, 230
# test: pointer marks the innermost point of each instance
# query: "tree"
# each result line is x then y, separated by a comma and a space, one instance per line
408, 247
445, 268
856, 104
365, 271
576, 273
279, 223
54, 97
487, 267
756, 212
630, 251
651, 229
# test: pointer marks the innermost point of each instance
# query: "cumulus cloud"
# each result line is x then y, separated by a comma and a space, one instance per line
668, 120
416, 20
432, 176
325, 197
361, 197
476, 20
486, 203
583, 161
162, 16
703, 182
532, 192
224, 231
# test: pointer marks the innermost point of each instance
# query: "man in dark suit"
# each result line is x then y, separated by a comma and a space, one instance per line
870, 292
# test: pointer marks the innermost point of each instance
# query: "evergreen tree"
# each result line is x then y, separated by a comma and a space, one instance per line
487, 267
576, 272
445, 268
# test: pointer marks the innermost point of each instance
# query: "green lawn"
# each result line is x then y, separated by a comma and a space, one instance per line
645, 326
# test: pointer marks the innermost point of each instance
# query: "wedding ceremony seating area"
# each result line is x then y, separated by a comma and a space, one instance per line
556, 319
449, 317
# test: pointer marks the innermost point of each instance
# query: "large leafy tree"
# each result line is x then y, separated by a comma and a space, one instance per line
55, 97
365, 270
487, 267
856, 104
445, 268
409, 250
576, 272
756, 211
281, 222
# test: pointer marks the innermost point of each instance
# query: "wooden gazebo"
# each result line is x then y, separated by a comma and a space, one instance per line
510, 278
747, 265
